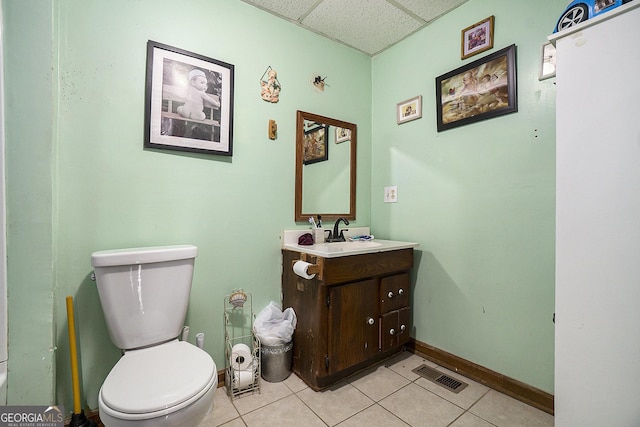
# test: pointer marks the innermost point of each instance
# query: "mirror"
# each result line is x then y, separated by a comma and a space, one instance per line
325, 168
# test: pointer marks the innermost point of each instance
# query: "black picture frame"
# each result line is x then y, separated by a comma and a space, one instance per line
315, 145
204, 125
463, 98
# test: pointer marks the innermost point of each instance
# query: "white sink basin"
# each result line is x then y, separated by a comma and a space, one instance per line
337, 249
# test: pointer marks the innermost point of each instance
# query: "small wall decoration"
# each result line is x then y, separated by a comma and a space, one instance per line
272, 130
547, 61
480, 90
342, 135
189, 101
270, 86
315, 145
477, 37
318, 83
410, 109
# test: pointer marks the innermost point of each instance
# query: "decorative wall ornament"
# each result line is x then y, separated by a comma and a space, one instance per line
318, 82
271, 86
272, 131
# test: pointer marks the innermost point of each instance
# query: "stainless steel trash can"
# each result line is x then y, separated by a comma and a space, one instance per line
276, 361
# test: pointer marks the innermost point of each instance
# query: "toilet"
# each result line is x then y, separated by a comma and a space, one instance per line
159, 381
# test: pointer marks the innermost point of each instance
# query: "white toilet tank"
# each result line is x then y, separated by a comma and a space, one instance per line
144, 292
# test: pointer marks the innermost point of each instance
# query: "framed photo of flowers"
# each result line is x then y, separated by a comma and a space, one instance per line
477, 38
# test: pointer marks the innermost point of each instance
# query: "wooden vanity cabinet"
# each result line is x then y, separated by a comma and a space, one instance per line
353, 313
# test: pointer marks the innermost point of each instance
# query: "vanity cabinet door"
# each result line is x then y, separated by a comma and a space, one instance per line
394, 328
353, 324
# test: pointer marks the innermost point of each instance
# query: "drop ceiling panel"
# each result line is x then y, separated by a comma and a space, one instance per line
369, 26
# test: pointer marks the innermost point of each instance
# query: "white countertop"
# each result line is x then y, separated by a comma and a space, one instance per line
338, 249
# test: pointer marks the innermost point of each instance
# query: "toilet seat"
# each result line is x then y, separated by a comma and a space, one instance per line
157, 381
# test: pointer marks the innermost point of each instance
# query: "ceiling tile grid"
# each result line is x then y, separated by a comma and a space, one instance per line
430, 10
290, 9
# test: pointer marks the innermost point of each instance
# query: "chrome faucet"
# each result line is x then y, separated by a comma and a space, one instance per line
334, 236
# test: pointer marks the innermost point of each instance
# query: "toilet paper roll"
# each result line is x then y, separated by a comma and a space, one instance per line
241, 357
300, 268
243, 379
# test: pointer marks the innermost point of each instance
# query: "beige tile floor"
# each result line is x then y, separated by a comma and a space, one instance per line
388, 395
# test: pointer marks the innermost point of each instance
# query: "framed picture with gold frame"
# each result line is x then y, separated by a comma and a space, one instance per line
477, 38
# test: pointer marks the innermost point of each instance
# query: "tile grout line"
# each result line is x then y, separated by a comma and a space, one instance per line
265, 405
475, 403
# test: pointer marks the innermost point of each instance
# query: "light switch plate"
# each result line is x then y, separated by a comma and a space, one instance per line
391, 194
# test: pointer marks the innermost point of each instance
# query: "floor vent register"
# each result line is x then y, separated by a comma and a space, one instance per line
439, 378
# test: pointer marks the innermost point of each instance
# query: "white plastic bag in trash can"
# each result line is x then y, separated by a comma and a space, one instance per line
274, 326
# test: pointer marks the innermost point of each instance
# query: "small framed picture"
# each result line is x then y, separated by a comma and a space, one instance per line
342, 135
189, 101
477, 38
547, 61
315, 147
410, 109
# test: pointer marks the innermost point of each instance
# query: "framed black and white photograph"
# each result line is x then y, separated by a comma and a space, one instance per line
189, 101
483, 89
409, 109
315, 145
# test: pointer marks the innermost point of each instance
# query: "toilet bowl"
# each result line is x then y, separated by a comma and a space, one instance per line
159, 381
168, 385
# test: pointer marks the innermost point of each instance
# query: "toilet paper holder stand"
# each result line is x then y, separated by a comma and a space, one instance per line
238, 323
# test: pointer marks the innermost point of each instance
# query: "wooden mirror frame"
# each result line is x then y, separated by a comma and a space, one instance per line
300, 216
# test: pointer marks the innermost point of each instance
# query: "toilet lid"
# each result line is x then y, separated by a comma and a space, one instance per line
157, 378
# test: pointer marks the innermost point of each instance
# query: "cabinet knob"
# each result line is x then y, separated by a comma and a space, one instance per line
400, 291
392, 331
390, 294
371, 320
402, 328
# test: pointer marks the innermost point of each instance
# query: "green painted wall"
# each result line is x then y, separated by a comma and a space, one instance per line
103, 190
480, 199
29, 154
